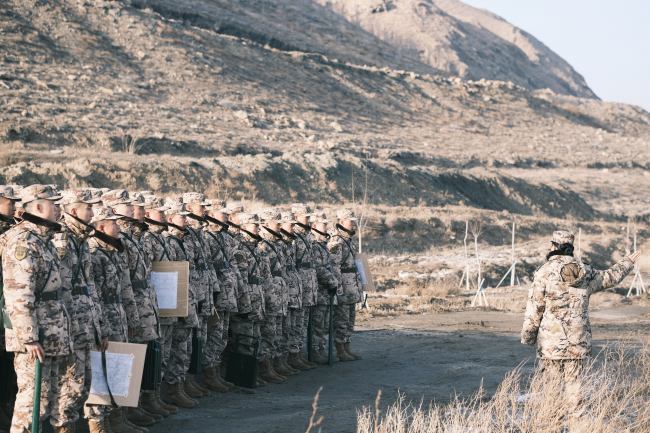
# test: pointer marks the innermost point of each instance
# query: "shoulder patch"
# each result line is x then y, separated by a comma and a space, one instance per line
570, 273
20, 252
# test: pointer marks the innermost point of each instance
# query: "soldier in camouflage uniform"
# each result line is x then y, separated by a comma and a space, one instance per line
145, 297
293, 325
327, 287
343, 251
7, 376
246, 327
83, 305
225, 301
557, 313
156, 248
40, 327
119, 313
304, 263
275, 296
182, 248
206, 276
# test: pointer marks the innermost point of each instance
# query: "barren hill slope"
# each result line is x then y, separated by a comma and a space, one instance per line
282, 101
462, 40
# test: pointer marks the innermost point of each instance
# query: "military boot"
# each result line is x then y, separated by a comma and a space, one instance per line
308, 364
118, 423
342, 355
285, 362
275, 372
294, 362
175, 395
220, 376
168, 407
149, 403
320, 357
136, 416
347, 348
99, 426
196, 385
212, 382
267, 374
280, 368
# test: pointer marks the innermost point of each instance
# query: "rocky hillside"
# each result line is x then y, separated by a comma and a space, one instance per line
279, 101
464, 41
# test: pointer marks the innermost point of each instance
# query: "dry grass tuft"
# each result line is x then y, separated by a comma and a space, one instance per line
615, 391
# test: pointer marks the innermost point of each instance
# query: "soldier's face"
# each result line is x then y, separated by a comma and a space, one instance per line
47, 210
155, 215
321, 227
138, 213
178, 220
273, 225
197, 209
124, 210
349, 225
109, 227
287, 227
303, 219
82, 211
7, 207
253, 228
223, 217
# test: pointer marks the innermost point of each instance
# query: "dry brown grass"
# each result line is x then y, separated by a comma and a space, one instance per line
615, 389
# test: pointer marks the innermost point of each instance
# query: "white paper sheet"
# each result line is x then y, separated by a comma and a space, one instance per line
119, 369
361, 271
166, 285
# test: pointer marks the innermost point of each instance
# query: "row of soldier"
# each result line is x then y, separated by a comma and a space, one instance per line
76, 268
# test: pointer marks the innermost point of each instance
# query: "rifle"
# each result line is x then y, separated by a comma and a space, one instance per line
36, 409
323, 234
92, 232
330, 340
41, 221
307, 228
155, 223
273, 232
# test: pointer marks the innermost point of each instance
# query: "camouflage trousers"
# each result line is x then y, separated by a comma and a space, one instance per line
271, 330
166, 340
179, 357
295, 331
569, 372
320, 326
344, 318
217, 339
245, 335
53, 402
283, 334
202, 334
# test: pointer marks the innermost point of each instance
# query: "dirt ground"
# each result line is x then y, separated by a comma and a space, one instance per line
427, 357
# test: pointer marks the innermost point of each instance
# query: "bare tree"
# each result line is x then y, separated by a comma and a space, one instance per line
131, 144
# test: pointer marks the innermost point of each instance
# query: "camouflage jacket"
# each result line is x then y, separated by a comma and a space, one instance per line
156, 249
294, 281
247, 259
557, 313
33, 291
205, 278
327, 278
144, 293
182, 248
5, 224
343, 252
243, 293
304, 245
83, 305
226, 298
275, 286
113, 287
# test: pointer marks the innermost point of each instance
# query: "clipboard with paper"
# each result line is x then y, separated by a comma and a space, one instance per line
171, 282
122, 378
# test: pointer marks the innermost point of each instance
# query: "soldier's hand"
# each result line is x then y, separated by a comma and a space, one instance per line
634, 256
35, 350
104, 345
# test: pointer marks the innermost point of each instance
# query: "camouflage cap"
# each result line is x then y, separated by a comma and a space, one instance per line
248, 218
176, 207
235, 207
7, 192
116, 197
319, 216
269, 215
300, 209
78, 196
216, 204
287, 217
102, 213
38, 192
345, 214
152, 202
563, 237
195, 198
137, 199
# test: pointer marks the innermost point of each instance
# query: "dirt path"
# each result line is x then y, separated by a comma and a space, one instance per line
427, 357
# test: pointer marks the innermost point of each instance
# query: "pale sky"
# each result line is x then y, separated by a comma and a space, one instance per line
606, 41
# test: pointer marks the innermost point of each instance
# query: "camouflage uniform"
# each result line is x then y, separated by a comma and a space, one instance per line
292, 326
84, 308
182, 248
343, 253
33, 294
225, 300
557, 312
327, 283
